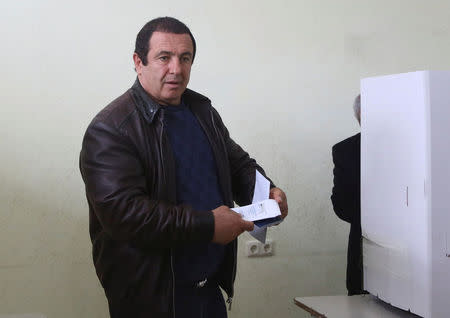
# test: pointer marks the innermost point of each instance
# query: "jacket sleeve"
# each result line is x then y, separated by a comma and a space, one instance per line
242, 167
116, 189
343, 197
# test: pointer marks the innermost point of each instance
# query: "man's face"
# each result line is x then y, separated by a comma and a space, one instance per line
169, 61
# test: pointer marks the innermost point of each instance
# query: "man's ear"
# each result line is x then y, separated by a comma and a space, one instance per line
137, 63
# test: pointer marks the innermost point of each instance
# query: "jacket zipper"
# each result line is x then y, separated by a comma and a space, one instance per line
230, 298
161, 120
173, 282
215, 128
229, 302
233, 274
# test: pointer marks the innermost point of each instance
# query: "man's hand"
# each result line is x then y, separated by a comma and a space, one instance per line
228, 225
279, 196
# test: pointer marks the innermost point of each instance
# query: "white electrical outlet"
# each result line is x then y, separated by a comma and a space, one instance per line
266, 249
256, 248
252, 248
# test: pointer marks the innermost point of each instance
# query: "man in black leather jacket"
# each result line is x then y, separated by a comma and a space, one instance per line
151, 230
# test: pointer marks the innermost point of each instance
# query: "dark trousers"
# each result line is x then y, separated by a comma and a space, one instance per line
199, 302
190, 302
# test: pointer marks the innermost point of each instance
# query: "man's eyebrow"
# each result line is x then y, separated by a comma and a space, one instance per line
164, 53
189, 53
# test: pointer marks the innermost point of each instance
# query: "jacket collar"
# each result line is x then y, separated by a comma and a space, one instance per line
146, 105
149, 108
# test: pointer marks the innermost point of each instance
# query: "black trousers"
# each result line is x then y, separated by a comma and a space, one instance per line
199, 302
190, 302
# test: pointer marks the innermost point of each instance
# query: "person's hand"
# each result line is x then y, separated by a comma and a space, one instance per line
279, 196
228, 225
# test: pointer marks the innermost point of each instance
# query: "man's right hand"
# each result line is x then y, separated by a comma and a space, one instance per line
228, 225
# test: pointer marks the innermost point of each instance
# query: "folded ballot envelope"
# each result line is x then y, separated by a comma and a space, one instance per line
264, 212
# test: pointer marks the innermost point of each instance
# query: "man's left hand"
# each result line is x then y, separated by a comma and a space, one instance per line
279, 196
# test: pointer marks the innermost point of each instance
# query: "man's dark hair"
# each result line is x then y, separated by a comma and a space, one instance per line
163, 24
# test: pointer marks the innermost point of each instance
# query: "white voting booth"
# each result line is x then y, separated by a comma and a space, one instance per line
405, 190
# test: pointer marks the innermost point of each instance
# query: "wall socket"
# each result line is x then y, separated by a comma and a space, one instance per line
256, 248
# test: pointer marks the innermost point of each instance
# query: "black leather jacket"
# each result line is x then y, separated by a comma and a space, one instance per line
129, 171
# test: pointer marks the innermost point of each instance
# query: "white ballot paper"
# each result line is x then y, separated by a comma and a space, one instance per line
263, 211
259, 211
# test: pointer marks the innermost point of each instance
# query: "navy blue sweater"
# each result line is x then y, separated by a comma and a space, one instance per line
197, 186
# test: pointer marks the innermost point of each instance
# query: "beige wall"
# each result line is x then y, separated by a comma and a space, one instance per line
283, 74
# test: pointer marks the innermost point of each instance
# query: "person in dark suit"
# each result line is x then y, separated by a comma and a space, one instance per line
346, 199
